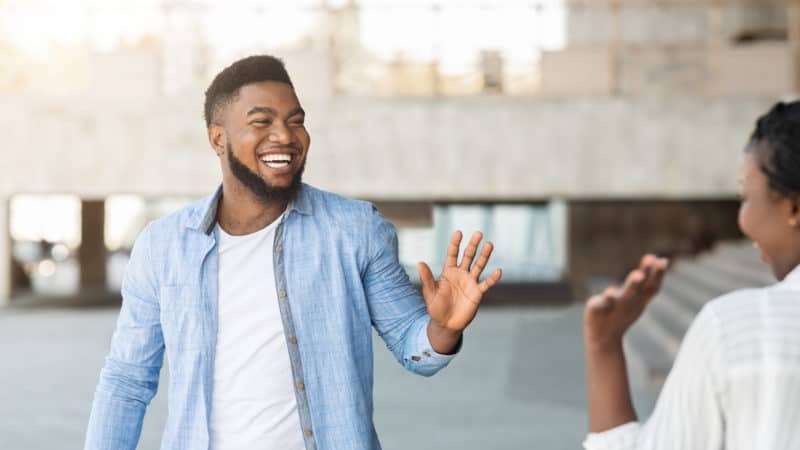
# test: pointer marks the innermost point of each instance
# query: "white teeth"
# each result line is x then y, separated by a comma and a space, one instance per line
277, 160
279, 157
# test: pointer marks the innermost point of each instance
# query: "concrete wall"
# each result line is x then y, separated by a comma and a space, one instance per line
653, 24
663, 70
399, 148
684, 47
753, 15
644, 23
755, 69
730, 70
578, 72
671, 22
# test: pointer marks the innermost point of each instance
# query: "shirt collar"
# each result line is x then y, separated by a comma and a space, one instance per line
205, 220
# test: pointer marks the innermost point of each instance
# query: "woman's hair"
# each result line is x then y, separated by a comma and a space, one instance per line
777, 136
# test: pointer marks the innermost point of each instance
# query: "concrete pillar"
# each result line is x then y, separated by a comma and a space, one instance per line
5, 252
93, 248
615, 46
793, 15
714, 41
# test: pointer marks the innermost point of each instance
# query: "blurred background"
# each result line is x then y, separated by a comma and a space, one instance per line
577, 134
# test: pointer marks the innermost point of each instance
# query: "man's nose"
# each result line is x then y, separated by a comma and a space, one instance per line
281, 134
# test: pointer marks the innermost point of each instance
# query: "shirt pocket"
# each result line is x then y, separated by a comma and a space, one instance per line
183, 318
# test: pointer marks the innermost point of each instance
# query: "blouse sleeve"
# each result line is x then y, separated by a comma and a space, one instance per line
688, 414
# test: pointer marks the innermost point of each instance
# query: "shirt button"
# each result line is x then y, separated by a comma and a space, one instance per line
293, 340
282, 294
301, 386
308, 433
279, 248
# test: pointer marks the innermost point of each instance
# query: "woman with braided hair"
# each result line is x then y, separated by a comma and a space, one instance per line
736, 381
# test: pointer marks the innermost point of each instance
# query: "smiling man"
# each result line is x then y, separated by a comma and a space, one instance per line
264, 296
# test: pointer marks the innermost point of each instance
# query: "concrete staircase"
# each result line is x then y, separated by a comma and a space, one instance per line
653, 342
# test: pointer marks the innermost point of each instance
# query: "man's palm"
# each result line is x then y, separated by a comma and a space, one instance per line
453, 299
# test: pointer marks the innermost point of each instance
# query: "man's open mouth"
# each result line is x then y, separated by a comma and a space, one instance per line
277, 160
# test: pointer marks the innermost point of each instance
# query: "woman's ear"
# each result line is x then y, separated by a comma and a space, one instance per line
794, 217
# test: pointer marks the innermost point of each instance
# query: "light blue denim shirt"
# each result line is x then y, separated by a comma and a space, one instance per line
337, 275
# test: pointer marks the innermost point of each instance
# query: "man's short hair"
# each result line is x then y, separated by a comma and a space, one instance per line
225, 87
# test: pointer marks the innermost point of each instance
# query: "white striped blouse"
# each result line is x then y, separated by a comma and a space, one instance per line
735, 384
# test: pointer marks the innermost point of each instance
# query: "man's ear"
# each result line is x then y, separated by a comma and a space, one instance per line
217, 138
795, 213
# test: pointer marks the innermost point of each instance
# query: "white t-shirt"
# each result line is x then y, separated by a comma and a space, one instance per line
254, 405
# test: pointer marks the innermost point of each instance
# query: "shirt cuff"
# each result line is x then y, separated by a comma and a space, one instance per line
618, 438
428, 354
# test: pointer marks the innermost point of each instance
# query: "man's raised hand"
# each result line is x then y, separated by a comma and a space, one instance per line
453, 299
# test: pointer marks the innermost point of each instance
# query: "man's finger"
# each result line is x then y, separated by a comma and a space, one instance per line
471, 250
483, 259
452, 250
427, 280
490, 281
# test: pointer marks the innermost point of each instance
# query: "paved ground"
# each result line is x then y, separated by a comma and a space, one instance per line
518, 384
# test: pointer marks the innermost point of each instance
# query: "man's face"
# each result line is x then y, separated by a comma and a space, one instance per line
265, 140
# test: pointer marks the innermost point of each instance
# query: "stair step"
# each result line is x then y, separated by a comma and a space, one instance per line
649, 351
746, 275
718, 279
653, 342
685, 292
672, 316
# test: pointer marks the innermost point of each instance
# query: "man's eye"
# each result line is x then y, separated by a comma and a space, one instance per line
262, 121
299, 123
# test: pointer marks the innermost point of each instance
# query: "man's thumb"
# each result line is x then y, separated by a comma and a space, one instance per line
427, 280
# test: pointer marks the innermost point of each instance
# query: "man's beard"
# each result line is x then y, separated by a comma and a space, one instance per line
263, 191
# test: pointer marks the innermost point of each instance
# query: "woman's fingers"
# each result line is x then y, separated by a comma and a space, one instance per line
657, 267
633, 285
601, 302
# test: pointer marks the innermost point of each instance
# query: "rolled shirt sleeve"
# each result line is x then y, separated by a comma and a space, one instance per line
397, 309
